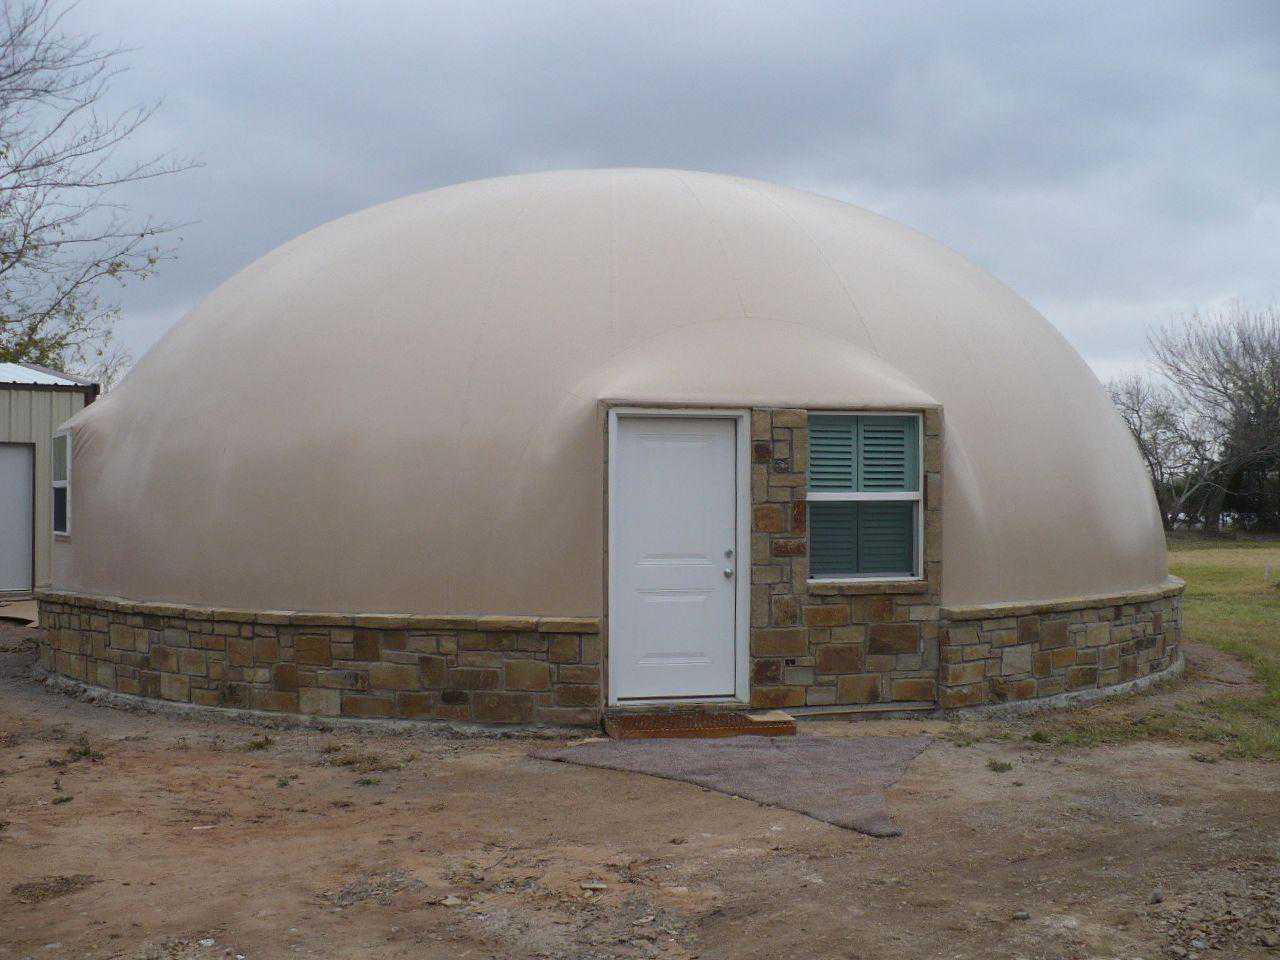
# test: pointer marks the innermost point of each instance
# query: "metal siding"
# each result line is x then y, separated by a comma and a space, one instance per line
31, 416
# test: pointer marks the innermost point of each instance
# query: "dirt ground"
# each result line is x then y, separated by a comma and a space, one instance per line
125, 834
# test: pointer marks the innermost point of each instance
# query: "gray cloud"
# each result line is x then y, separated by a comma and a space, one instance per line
1113, 163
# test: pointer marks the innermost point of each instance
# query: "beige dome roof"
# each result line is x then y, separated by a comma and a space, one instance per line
400, 411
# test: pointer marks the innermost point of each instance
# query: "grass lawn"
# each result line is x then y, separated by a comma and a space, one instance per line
1227, 605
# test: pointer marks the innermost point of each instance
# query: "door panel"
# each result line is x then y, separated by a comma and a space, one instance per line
674, 480
16, 516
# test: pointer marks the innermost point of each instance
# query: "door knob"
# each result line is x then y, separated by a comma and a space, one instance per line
728, 571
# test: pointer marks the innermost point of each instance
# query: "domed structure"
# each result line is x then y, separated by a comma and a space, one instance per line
467, 446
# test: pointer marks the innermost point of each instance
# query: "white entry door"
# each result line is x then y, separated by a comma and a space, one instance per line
673, 557
17, 513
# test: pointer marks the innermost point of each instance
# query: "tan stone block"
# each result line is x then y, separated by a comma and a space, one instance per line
591, 649
240, 652
393, 676
1098, 634
828, 615
1078, 677
859, 688
527, 675
972, 671
193, 663
164, 659
772, 698
414, 705
968, 696
366, 644
578, 673
1015, 661
174, 686
577, 695
769, 518
320, 702
790, 419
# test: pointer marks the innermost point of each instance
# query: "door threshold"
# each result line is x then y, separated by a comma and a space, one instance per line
677, 704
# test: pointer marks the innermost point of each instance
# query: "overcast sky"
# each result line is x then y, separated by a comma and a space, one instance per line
1116, 163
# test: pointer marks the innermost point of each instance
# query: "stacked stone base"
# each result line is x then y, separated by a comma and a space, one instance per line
1011, 652
531, 670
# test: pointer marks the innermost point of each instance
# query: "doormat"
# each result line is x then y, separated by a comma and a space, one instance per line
838, 780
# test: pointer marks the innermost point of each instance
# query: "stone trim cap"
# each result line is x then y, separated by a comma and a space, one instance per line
1171, 587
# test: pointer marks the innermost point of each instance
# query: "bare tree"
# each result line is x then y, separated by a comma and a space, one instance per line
1223, 368
1160, 427
64, 236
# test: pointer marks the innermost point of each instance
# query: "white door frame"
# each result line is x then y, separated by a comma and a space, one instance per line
742, 549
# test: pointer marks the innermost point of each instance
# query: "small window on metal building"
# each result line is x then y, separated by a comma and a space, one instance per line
864, 496
60, 471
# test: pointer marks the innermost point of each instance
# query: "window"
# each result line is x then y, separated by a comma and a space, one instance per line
61, 473
864, 495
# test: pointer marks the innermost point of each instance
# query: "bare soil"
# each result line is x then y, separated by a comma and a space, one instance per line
127, 834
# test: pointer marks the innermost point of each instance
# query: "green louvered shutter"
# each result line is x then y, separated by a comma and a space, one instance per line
833, 464
833, 538
888, 452
886, 537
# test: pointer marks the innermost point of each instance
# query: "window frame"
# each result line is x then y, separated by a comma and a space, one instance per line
845, 496
64, 484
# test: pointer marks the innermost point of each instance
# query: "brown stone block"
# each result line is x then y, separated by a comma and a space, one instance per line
240, 652
828, 615
472, 678
1128, 668
414, 705
432, 671
893, 638
207, 698
455, 697
761, 451
780, 642
343, 680
566, 716
104, 674
312, 649
578, 673
1043, 663
1098, 634
564, 647
266, 650
766, 671
284, 677
277, 701
318, 702
914, 688
366, 644
767, 698
1078, 677
872, 609
1028, 629
591, 648
840, 658
502, 707
527, 675
577, 695
393, 676
769, 518
363, 705
789, 547
859, 688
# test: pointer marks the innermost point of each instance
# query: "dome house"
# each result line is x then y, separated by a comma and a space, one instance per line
537, 448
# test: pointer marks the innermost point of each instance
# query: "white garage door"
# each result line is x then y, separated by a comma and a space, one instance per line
16, 516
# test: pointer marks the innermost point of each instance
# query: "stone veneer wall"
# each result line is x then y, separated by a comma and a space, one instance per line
992, 654
483, 669
822, 644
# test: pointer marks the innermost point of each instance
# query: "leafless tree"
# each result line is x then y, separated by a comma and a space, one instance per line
65, 238
1208, 426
